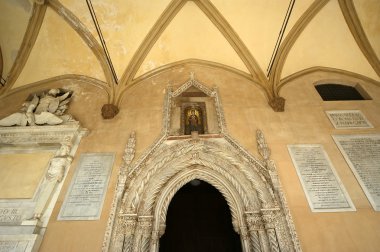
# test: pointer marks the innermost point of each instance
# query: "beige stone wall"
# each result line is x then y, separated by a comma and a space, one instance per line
246, 109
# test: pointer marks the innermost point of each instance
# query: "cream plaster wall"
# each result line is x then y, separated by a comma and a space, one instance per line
20, 174
246, 109
327, 41
258, 23
368, 12
191, 35
13, 22
127, 24
58, 50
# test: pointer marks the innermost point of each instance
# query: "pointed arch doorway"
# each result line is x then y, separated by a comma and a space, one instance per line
199, 219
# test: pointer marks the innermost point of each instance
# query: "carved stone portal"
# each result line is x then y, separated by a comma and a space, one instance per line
250, 186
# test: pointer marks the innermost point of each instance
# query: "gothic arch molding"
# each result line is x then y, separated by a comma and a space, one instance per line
231, 195
250, 186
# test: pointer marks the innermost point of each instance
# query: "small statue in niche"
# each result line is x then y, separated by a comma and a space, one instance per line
46, 108
193, 121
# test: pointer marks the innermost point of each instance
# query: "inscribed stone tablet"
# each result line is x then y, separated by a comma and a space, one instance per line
10, 215
85, 197
362, 153
348, 119
323, 188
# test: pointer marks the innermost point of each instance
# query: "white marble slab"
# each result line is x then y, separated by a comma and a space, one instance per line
10, 215
362, 154
85, 197
323, 188
348, 119
19, 243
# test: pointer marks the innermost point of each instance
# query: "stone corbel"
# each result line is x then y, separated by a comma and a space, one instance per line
109, 111
277, 104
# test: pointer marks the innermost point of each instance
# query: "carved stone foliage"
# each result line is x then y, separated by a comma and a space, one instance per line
249, 185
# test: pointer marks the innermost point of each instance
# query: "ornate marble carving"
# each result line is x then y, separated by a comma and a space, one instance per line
54, 175
33, 214
45, 108
250, 186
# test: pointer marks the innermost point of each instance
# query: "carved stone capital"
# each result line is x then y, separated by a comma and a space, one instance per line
109, 111
254, 220
270, 217
277, 104
126, 224
244, 233
144, 224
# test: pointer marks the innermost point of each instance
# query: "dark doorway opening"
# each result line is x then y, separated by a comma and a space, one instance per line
199, 220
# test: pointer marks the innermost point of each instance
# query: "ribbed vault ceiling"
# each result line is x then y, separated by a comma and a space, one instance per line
146, 37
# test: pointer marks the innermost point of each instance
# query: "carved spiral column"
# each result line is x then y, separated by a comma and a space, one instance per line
258, 236
270, 217
156, 235
129, 231
143, 234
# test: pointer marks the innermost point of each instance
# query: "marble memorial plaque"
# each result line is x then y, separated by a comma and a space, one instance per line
85, 196
323, 188
362, 154
348, 119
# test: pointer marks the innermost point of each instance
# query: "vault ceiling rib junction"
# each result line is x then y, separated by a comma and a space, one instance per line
144, 38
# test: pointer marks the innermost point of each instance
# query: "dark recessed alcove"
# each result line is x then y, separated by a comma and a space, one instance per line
199, 220
338, 92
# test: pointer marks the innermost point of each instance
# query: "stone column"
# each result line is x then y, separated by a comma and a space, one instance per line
244, 236
156, 235
258, 237
270, 217
143, 234
129, 232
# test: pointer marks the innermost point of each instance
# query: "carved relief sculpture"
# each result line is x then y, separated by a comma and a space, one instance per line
45, 108
54, 175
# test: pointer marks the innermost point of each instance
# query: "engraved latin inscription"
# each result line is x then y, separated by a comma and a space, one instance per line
362, 153
10, 215
85, 198
348, 119
322, 186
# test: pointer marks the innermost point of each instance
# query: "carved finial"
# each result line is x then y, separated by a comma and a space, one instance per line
129, 152
262, 145
192, 75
